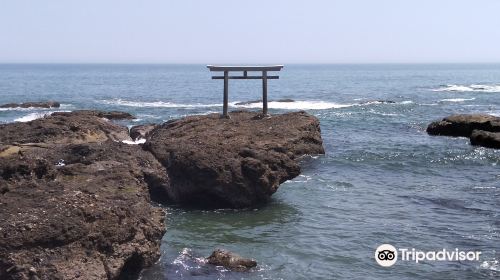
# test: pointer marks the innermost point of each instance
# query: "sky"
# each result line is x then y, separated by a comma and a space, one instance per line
255, 31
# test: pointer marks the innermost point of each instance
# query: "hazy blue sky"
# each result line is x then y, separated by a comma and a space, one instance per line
254, 31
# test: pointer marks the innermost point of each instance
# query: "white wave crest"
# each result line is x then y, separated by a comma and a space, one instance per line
469, 88
292, 105
456, 99
36, 115
155, 104
33, 116
295, 105
63, 106
491, 265
136, 142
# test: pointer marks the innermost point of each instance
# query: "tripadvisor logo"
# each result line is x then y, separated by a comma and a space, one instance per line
386, 255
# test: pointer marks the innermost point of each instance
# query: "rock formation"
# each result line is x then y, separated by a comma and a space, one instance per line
237, 162
483, 130
231, 260
75, 204
48, 104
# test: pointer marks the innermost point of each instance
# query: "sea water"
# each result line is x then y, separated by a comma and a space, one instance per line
382, 180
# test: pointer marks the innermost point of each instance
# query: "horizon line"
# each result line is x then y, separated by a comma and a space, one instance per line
240, 63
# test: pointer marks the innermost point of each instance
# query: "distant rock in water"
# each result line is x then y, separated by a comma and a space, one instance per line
48, 104
74, 202
482, 129
235, 163
485, 139
379, 101
111, 115
231, 261
260, 101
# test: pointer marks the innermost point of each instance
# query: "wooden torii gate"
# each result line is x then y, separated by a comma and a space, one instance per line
245, 69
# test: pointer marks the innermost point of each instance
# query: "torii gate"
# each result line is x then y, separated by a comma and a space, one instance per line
245, 69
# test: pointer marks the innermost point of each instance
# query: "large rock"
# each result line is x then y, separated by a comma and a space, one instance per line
66, 128
230, 260
237, 162
485, 139
47, 104
463, 125
76, 204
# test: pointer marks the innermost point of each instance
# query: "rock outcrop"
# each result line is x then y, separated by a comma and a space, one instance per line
237, 162
48, 104
231, 260
141, 131
74, 202
482, 129
485, 139
463, 125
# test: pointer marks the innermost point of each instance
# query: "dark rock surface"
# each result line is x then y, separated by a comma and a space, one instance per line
65, 127
237, 162
463, 125
141, 131
110, 115
231, 260
485, 139
48, 104
75, 204
483, 130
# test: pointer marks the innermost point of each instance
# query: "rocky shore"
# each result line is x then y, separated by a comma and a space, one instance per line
482, 130
46, 104
76, 202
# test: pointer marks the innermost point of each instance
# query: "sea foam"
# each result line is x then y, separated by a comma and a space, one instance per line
155, 104
292, 105
456, 99
469, 88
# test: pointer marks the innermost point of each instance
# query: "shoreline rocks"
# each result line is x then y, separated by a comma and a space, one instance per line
482, 129
232, 163
47, 104
76, 202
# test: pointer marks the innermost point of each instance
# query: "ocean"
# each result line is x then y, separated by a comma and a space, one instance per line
382, 179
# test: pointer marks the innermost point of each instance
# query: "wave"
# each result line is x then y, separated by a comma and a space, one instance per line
289, 105
36, 115
295, 105
62, 107
456, 99
469, 88
33, 116
156, 104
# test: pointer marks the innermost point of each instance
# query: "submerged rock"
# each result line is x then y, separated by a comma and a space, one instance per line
237, 162
48, 104
74, 203
463, 125
231, 261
